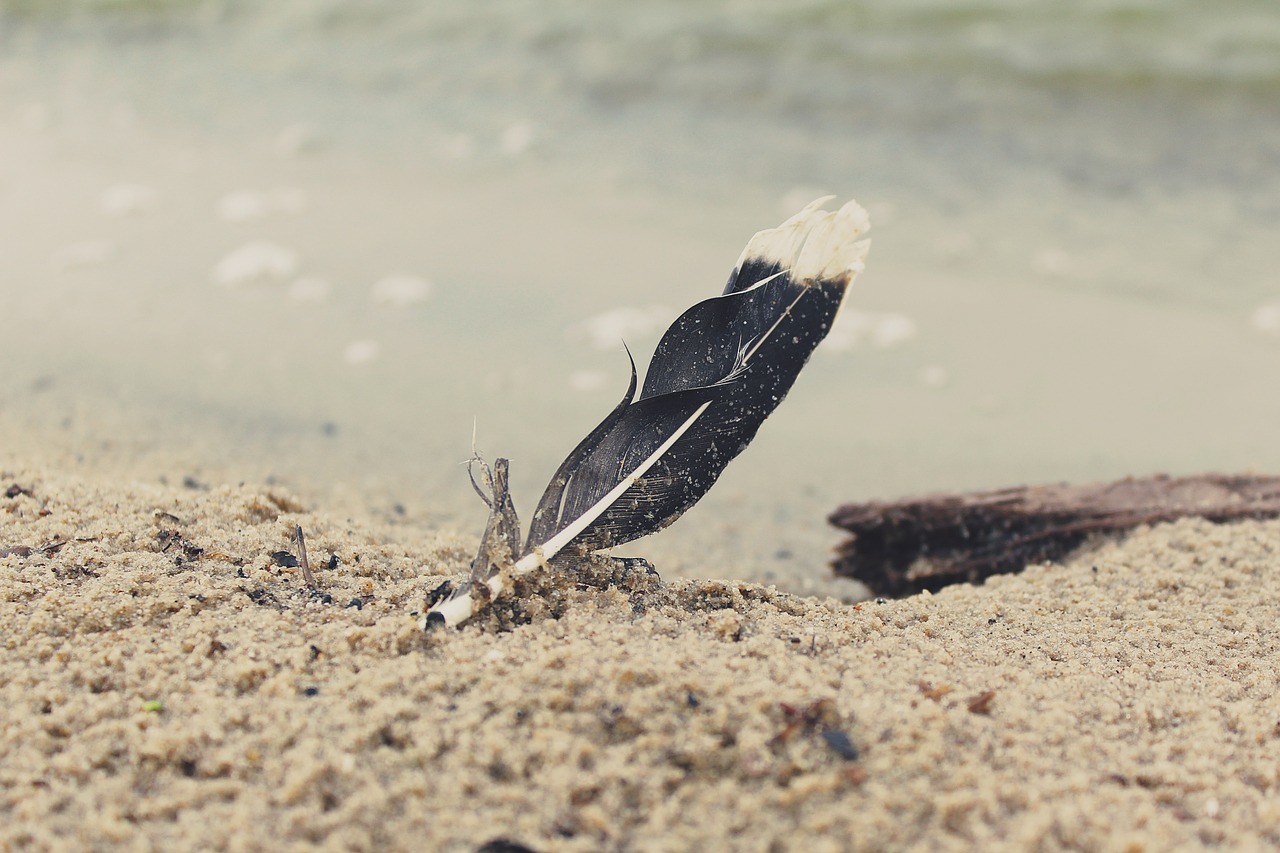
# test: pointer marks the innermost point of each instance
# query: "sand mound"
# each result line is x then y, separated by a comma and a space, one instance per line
167, 684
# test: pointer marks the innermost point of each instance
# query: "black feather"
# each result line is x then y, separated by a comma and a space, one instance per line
718, 372
720, 369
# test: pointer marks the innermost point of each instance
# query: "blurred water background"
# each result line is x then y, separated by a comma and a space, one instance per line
314, 242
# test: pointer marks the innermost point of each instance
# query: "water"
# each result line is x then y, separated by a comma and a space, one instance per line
1074, 213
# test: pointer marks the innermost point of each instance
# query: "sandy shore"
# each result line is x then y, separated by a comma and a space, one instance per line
166, 685
280, 256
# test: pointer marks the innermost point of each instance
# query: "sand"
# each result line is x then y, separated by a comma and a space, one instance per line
166, 685
271, 281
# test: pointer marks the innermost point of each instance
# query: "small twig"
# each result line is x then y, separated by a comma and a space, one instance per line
488, 477
302, 558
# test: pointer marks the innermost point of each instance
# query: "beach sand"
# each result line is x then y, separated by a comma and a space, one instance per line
167, 686
244, 290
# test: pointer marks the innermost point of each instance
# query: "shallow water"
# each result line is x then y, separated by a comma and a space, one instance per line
315, 243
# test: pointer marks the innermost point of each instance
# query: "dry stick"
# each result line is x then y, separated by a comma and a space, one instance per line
903, 547
302, 558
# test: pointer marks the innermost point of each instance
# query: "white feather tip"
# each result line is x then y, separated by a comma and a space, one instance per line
815, 244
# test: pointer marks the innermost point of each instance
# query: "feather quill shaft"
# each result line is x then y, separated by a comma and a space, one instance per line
459, 608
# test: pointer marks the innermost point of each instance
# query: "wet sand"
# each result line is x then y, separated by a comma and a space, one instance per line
340, 320
167, 685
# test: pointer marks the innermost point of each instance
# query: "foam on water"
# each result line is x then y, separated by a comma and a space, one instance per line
401, 289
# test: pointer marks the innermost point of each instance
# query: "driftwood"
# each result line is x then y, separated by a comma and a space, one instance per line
902, 547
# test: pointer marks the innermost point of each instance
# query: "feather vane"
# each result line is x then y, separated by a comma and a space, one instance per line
721, 368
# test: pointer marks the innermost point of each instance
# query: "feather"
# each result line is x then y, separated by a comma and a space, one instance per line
721, 368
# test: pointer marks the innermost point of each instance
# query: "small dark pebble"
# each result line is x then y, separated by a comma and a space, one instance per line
440, 593
15, 490
840, 744
504, 845
166, 538
399, 509
691, 700
357, 603
190, 482
322, 597
333, 562
284, 559
264, 598
311, 691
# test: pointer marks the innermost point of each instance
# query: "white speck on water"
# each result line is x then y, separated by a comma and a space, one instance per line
608, 330
1051, 262
360, 352
127, 199
934, 376
588, 380
1266, 318
309, 289
459, 146
254, 262
516, 139
243, 205
90, 253
401, 289
853, 329
892, 329
296, 139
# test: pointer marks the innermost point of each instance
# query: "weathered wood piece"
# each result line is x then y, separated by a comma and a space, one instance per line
902, 547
